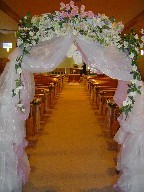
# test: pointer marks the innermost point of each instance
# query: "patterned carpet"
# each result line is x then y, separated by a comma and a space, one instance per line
74, 152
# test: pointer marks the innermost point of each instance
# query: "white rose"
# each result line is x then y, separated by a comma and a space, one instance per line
131, 55
19, 42
23, 109
132, 94
124, 103
31, 33
19, 70
134, 81
20, 87
134, 68
136, 36
33, 43
141, 45
125, 44
137, 49
20, 104
16, 91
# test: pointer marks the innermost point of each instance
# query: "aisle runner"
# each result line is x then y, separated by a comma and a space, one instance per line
72, 154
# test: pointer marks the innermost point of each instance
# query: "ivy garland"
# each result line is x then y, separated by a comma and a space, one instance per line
70, 18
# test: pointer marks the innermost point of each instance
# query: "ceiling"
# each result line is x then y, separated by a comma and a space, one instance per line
130, 12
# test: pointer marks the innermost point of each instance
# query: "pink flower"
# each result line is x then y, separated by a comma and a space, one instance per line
83, 14
90, 14
67, 7
72, 4
62, 5
64, 14
74, 12
82, 8
75, 8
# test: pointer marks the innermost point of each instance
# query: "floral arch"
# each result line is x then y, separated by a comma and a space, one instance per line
43, 43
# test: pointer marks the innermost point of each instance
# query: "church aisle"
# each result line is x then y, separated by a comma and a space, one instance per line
72, 153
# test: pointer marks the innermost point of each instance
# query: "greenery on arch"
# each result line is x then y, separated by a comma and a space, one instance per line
71, 19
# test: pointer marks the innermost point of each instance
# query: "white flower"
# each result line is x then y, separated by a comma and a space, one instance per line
16, 91
31, 33
141, 45
19, 70
125, 44
142, 38
134, 81
124, 103
132, 94
128, 101
137, 49
19, 88
119, 45
19, 42
23, 109
136, 36
134, 68
20, 105
33, 43
131, 55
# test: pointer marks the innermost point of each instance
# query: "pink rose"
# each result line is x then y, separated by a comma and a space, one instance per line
64, 14
82, 8
83, 14
75, 8
74, 12
67, 7
72, 4
62, 5
90, 14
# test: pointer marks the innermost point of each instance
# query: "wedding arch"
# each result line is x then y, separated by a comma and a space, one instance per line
43, 43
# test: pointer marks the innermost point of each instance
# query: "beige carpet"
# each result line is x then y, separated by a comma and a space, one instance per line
73, 153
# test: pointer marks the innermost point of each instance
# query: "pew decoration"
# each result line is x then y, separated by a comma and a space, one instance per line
111, 103
36, 101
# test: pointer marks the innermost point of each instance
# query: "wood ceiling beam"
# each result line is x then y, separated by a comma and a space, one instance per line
5, 8
128, 26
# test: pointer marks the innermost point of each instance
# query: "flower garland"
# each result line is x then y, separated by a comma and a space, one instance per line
131, 43
71, 19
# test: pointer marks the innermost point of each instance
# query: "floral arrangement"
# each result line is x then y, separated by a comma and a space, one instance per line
111, 103
131, 43
36, 101
71, 19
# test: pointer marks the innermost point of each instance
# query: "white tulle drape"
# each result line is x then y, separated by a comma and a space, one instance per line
108, 60
46, 56
14, 165
131, 138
